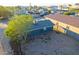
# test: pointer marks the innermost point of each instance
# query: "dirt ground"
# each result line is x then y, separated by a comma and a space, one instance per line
1, 49
52, 43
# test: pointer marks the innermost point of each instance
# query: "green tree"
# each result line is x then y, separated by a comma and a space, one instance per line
69, 13
61, 7
49, 11
75, 10
4, 12
17, 30
69, 7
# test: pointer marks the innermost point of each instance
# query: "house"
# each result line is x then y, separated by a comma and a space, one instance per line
22, 10
41, 27
77, 5
43, 12
62, 9
65, 24
54, 8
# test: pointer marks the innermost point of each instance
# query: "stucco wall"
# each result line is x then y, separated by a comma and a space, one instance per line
71, 28
65, 28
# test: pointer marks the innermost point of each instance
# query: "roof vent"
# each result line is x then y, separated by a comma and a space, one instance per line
35, 22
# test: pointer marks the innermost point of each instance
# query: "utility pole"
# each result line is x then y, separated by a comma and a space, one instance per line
30, 6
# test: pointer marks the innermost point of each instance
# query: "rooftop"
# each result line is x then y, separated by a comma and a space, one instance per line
71, 20
42, 24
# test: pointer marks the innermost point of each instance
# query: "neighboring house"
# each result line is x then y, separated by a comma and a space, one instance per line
54, 8
77, 5
62, 8
41, 27
22, 10
77, 14
35, 15
66, 24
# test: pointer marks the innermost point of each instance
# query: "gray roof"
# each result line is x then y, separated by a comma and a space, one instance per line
42, 24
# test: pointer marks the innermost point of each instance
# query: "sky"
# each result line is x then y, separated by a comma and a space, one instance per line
36, 2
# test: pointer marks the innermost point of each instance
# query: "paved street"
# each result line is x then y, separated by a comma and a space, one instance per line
1, 42
4, 43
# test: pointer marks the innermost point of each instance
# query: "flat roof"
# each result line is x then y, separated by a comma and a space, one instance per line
71, 20
42, 24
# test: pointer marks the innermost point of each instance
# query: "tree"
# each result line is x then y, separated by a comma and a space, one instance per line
4, 12
69, 7
69, 13
17, 30
49, 11
61, 8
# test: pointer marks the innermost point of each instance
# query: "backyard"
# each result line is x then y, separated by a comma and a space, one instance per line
50, 44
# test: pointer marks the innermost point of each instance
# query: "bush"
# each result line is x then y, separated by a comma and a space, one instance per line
69, 13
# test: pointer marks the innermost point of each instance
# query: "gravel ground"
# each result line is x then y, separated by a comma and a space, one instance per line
51, 44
